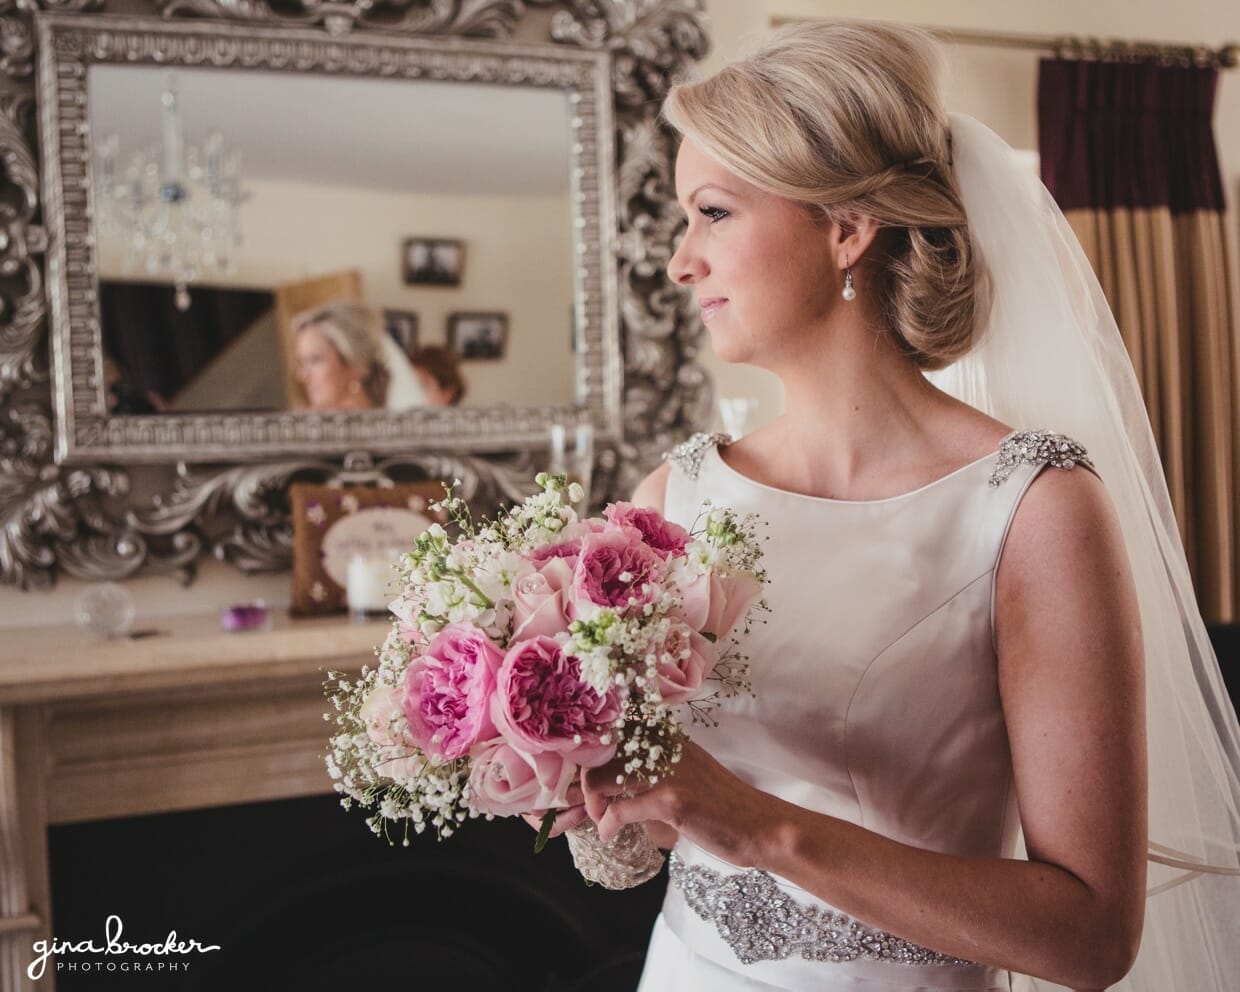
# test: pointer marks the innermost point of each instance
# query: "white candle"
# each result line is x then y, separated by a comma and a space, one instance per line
366, 584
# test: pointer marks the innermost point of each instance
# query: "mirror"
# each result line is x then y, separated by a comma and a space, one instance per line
78, 501
447, 200
461, 194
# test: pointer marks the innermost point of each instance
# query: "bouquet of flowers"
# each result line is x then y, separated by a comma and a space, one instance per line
538, 644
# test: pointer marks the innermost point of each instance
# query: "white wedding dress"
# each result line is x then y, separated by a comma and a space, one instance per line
875, 699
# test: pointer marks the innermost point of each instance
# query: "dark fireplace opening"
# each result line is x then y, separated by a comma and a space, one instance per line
298, 894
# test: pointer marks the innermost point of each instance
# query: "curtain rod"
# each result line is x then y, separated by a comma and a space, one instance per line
1226, 56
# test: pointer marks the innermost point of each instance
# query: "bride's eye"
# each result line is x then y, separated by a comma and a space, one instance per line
714, 213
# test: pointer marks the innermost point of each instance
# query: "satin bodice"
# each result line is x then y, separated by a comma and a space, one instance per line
875, 694
875, 699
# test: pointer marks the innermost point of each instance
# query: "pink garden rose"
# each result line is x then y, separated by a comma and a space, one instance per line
714, 603
542, 704
448, 691
505, 781
684, 659
568, 546
616, 569
663, 536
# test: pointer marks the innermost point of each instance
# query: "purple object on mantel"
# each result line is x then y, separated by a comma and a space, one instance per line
245, 616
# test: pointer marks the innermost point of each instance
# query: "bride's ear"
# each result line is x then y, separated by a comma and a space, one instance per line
852, 234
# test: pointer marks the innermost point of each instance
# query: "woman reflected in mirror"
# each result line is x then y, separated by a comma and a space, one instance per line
339, 359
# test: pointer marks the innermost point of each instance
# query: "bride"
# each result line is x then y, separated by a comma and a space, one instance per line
944, 777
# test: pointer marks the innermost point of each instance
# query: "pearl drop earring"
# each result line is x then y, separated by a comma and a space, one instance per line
849, 293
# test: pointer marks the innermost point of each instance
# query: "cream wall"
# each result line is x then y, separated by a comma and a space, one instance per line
518, 259
997, 86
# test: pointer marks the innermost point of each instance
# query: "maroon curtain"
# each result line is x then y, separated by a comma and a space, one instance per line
1128, 152
1128, 134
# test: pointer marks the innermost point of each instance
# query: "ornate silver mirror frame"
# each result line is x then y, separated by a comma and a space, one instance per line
65, 489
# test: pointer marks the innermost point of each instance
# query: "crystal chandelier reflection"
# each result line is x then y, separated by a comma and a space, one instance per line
175, 206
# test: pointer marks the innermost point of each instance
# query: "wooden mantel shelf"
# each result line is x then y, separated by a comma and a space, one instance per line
45, 664
187, 718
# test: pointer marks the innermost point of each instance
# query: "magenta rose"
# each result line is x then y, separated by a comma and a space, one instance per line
616, 569
685, 658
663, 536
506, 781
714, 603
540, 600
448, 691
541, 703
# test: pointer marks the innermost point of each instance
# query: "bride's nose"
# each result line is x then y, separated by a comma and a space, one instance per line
686, 266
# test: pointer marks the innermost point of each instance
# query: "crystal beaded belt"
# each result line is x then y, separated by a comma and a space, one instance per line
761, 922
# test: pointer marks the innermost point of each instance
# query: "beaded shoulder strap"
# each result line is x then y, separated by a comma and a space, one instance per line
688, 455
1037, 448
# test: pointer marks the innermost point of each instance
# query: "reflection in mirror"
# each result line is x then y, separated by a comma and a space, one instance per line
342, 180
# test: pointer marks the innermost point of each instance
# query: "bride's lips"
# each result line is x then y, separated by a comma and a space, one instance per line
712, 306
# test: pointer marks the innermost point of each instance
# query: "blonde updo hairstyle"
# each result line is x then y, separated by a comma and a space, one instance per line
846, 117
355, 331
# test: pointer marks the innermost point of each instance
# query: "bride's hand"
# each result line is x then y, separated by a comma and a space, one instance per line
566, 819
701, 800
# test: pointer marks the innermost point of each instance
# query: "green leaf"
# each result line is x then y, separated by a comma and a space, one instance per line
544, 832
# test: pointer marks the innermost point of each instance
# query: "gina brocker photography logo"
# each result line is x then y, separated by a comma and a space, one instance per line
171, 955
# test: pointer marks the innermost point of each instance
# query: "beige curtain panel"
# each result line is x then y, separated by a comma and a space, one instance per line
1128, 152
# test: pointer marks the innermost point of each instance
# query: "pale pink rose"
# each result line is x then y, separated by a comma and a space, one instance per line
448, 691
384, 716
732, 597
542, 704
383, 712
506, 781
405, 767
694, 605
685, 658
714, 603
540, 600
568, 546
661, 535
616, 569
407, 611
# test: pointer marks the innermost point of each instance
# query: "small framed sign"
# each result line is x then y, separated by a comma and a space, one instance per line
333, 525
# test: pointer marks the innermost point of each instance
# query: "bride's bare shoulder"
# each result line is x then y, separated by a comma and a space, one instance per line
652, 489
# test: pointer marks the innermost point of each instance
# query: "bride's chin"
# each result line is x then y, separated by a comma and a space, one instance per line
730, 349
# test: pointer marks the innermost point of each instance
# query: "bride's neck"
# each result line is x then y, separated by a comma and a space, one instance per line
854, 406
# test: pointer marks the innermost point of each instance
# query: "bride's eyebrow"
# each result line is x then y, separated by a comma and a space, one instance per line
688, 201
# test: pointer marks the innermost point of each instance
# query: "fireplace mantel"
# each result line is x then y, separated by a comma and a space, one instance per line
186, 718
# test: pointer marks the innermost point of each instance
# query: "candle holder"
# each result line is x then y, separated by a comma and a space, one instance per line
572, 455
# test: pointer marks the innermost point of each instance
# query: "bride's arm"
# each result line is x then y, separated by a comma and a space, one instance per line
1070, 677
